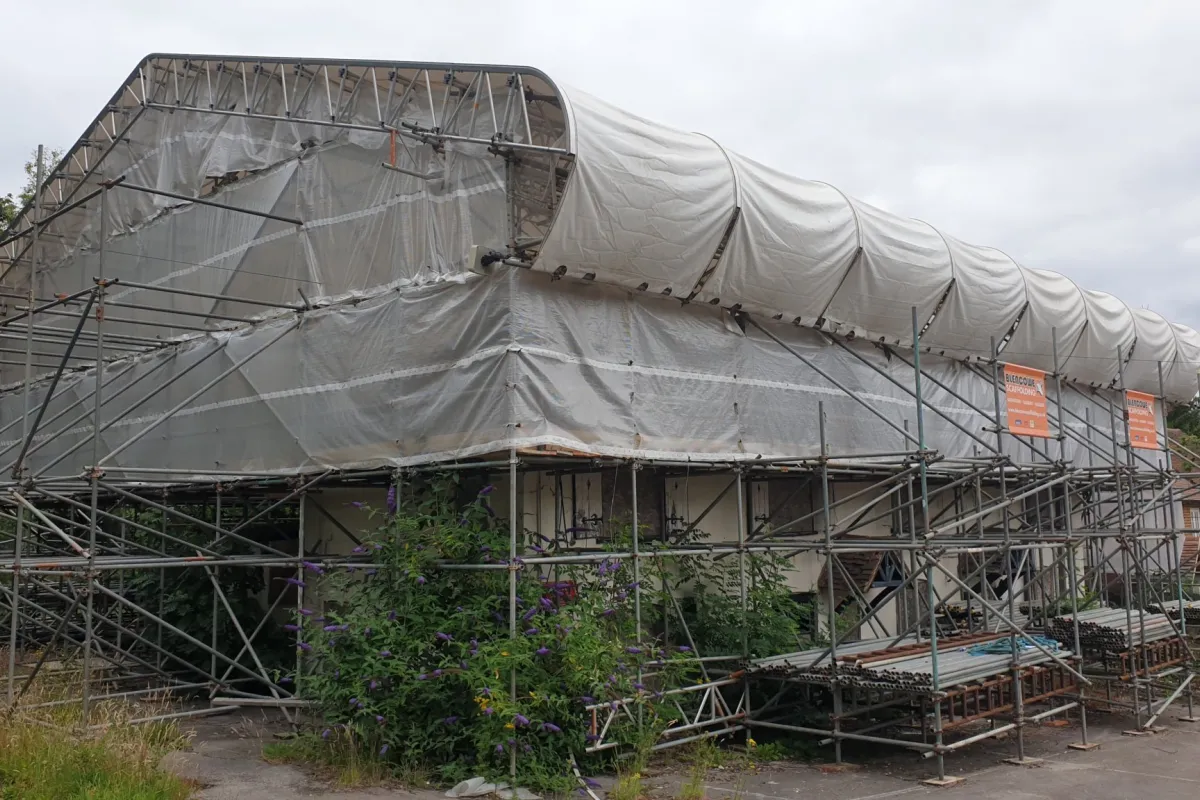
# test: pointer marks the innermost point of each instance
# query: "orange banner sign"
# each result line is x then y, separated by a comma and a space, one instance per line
1143, 420
1025, 395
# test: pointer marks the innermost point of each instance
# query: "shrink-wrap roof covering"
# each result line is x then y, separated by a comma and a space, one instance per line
805, 252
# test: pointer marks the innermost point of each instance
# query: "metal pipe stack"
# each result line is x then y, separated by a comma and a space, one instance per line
1111, 630
1189, 610
866, 664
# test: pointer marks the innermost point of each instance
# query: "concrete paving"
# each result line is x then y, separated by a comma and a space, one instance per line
225, 761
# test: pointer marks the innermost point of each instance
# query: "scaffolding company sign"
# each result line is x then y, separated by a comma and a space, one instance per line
1143, 420
1025, 396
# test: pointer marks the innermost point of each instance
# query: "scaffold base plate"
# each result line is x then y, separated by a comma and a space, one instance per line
1024, 762
1082, 746
949, 780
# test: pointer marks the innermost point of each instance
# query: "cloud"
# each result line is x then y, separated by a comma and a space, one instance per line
1065, 133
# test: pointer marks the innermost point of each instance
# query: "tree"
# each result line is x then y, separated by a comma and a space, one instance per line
10, 207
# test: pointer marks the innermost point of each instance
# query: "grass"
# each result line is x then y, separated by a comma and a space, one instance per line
339, 755
45, 755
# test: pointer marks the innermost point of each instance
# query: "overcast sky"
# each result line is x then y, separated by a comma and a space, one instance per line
1065, 133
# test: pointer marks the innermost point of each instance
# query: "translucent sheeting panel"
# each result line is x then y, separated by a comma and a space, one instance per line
1110, 328
791, 247
985, 300
1155, 343
1055, 310
904, 263
644, 203
1181, 381
434, 373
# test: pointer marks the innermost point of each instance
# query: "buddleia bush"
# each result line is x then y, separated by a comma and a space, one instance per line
416, 665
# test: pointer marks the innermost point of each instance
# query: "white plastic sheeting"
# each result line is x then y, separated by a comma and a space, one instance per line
649, 207
478, 365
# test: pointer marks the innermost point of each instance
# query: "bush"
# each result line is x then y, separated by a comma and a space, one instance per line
414, 660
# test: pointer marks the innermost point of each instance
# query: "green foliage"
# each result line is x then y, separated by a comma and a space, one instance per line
8, 210
10, 207
414, 661
772, 623
185, 595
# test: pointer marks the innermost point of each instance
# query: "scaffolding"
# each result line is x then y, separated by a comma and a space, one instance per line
1026, 581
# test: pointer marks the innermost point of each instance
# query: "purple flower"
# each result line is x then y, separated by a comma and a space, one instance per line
373, 685
311, 567
634, 585
367, 632
358, 504
608, 612
531, 632
305, 646
383, 750
527, 748
520, 720
378, 546
587, 701
683, 648
391, 499
379, 718
546, 604
420, 580
325, 733
463, 665
450, 720
496, 615
371, 571
591, 783
422, 677
485, 692
537, 549
543, 651
385, 653
331, 628
308, 612
360, 549
353, 701
489, 711
487, 490
483, 548
292, 628
499, 748
633, 650
391, 616
445, 637
530, 614
297, 582
437, 673
591, 737
640, 687
550, 727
